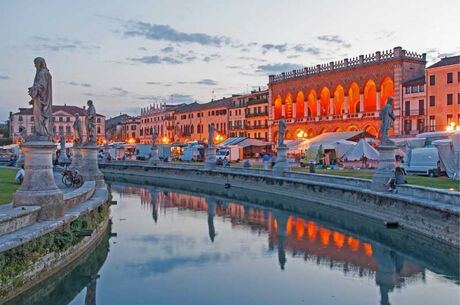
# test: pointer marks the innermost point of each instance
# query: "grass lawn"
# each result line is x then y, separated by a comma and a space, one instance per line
440, 182
7, 184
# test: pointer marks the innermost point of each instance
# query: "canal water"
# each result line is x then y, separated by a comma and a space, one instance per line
174, 247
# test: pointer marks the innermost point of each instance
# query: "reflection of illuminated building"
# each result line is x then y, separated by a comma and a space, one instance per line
327, 247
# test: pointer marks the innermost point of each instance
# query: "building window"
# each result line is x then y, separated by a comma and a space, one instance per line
432, 122
450, 99
449, 118
432, 101
450, 78
432, 80
67, 129
458, 76
407, 108
422, 88
407, 89
67, 119
61, 119
31, 118
420, 125
458, 98
20, 118
415, 89
421, 107
61, 129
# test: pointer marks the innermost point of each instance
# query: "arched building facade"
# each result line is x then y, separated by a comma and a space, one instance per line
341, 96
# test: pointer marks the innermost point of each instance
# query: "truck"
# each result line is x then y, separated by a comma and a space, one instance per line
144, 151
194, 151
231, 152
423, 160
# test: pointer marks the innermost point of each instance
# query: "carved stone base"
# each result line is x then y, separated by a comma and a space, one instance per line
39, 187
281, 163
63, 159
76, 158
154, 160
210, 162
385, 168
89, 164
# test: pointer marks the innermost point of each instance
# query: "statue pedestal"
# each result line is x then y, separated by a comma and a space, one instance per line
20, 161
154, 160
385, 168
76, 157
210, 162
89, 164
281, 163
63, 159
39, 187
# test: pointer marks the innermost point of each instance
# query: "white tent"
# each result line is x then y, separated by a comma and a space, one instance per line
341, 146
362, 148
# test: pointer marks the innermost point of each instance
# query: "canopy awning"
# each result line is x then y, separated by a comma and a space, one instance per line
244, 142
362, 149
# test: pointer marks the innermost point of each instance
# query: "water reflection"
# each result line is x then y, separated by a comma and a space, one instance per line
80, 277
354, 254
176, 247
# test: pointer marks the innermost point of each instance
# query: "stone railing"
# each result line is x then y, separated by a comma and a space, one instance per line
362, 60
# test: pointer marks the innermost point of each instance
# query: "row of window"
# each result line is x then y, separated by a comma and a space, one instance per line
449, 99
449, 78
415, 89
60, 119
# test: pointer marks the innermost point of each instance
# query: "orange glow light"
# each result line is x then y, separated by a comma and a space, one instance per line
289, 226
299, 228
367, 249
339, 239
325, 235
353, 243
312, 230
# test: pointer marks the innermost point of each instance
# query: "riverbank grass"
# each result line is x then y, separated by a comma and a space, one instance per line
7, 184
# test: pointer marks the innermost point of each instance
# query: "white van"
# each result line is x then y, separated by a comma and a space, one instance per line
423, 160
231, 152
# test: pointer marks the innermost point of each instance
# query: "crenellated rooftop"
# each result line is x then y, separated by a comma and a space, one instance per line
348, 63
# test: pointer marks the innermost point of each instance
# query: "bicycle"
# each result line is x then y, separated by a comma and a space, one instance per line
72, 178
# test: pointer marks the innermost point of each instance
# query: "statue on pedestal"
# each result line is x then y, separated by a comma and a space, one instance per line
387, 116
62, 141
42, 100
154, 140
281, 131
77, 129
211, 131
91, 123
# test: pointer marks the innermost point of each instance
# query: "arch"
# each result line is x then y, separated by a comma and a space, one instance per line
323, 130
353, 98
311, 102
275, 136
338, 129
372, 130
339, 100
310, 133
386, 89
352, 128
288, 135
299, 105
278, 108
288, 106
325, 100
370, 96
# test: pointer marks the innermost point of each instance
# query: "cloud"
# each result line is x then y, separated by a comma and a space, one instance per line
4, 77
142, 49
167, 33
119, 91
252, 58
76, 84
335, 39
178, 98
155, 59
278, 68
301, 48
274, 47
206, 81
167, 49
40, 43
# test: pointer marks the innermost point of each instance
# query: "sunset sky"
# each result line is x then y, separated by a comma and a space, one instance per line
125, 55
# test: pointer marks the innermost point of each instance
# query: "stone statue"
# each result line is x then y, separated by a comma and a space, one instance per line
387, 116
281, 131
42, 99
62, 141
91, 123
154, 140
77, 129
211, 130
